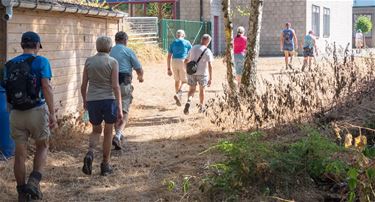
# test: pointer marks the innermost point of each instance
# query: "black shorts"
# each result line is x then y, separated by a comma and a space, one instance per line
308, 52
102, 110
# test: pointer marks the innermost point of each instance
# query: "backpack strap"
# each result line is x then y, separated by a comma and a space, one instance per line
200, 57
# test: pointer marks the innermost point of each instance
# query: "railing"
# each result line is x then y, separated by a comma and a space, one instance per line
143, 30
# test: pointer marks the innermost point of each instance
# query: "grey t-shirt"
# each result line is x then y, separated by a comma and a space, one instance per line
99, 71
194, 54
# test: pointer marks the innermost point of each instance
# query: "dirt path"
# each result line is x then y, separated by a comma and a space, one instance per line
161, 144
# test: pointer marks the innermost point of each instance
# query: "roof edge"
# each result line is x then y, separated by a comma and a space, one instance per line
68, 8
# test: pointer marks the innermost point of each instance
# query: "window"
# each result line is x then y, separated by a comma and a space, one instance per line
315, 26
326, 22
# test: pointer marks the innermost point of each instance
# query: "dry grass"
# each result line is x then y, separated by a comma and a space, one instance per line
161, 144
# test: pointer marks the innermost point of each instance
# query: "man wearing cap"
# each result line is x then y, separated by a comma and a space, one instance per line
33, 120
177, 53
127, 61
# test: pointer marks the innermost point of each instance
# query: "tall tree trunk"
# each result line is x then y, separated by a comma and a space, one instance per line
255, 20
229, 41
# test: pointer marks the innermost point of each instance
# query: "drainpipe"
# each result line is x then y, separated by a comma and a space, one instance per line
201, 9
8, 4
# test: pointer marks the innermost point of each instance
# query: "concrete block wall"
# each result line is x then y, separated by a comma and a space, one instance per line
370, 41
340, 25
190, 10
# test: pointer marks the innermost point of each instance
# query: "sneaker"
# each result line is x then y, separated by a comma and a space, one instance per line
186, 109
32, 188
117, 143
22, 195
177, 99
290, 66
105, 169
87, 163
201, 109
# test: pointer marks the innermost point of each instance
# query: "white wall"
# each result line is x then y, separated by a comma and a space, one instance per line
341, 21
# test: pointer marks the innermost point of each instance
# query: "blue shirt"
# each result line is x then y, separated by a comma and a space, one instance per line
308, 41
288, 37
126, 58
179, 48
40, 67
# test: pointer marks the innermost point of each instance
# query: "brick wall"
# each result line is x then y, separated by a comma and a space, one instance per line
370, 41
67, 39
190, 10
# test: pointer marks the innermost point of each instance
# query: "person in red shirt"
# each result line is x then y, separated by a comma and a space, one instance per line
240, 43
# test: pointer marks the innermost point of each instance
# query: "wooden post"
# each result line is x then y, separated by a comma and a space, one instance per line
174, 10
160, 6
145, 9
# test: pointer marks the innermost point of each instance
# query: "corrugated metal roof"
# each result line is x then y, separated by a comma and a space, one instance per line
363, 3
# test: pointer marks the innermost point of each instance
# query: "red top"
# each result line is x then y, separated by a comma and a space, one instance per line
240, 43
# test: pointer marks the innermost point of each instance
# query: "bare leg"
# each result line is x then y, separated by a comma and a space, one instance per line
178, 86
201, 95
40, 157
191, 93
19, 163
286, 58
95, 137
107, 142
310, 58
121, 126
304, 63
238, 77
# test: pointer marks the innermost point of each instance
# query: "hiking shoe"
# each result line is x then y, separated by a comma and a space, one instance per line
290, 66
22, 196
32, 188
177, 99
117, 143
105, 169
186, 109
87, 163
202, 109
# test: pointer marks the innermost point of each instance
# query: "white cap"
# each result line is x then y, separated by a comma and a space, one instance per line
241, 30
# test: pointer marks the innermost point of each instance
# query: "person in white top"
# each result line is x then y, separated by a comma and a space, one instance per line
203, 75
359, 40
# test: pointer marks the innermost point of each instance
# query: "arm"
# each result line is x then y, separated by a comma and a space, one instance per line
169, 59
117, 91
295, 39
85, 81
140, 75
281, 41
209, 74
48, 95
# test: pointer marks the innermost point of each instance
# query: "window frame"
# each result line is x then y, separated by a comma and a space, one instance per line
326, 22
315, 27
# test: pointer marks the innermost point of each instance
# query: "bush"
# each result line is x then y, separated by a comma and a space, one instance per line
364, 24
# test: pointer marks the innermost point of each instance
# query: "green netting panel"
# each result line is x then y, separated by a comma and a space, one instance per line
193, 29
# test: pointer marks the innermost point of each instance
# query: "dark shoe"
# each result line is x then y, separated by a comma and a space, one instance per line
116, 143
105, 169
32, 187
186, 109
202, 109
87, 163
22, 196
177, 99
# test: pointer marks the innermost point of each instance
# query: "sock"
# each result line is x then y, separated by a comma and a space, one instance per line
118, 134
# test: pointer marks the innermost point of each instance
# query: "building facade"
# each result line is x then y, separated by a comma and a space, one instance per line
68, 35
330, 20
365, 8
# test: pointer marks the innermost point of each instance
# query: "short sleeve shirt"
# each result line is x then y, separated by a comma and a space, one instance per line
126, 58
207, 57
179, 48
40, 67
240, 43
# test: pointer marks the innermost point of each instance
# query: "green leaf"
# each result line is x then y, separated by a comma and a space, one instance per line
353, 173
352, 183
351, 196
371, 173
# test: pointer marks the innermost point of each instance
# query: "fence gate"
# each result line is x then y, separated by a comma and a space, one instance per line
142, 29
193, 30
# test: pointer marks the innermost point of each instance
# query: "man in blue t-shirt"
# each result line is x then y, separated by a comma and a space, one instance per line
35, 122
288, 44
177, 53
127, 61
309, 43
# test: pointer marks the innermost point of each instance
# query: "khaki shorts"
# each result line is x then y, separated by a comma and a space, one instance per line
179, 70
126, 96
30, 123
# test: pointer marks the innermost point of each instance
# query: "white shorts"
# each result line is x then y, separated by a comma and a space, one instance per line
179, 70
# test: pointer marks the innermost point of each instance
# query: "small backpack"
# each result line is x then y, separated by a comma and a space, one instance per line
192, 66
21, 85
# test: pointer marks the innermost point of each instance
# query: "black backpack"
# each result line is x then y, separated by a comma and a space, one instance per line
192, 66
21, 85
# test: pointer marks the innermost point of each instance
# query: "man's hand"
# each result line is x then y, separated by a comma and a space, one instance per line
52, 121
140, 79
169, 72
209, 83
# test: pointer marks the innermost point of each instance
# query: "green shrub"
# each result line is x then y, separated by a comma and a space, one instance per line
364, 24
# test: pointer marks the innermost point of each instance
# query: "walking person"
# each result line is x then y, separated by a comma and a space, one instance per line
240, 44
177, 53
203, 56
309, 46
359, 41
288, 44
127, 61
28, 88
101, 97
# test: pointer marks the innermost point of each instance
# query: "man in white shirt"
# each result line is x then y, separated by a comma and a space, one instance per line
203, 75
